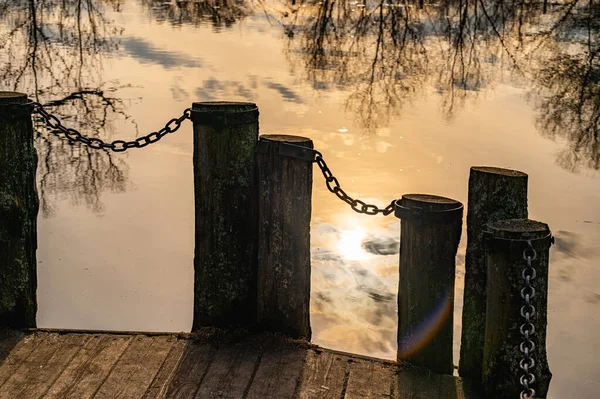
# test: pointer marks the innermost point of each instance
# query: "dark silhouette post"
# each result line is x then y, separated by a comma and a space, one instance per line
430, 232
225, 258
18, 213
507, 309
285, 172
494, 194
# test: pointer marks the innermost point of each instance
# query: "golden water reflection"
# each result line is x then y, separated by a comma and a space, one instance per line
399, 100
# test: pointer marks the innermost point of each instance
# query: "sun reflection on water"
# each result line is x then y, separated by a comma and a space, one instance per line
350, 244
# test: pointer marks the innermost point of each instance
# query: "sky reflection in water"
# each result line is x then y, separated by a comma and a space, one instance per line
397, 99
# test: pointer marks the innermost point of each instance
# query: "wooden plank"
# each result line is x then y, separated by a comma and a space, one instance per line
39, 370
46, 346
160, 384
116, 366
369, 380
89, 368
415, 383
278, 375
44, 376
230, 372
464, 389
191, 371
8, 340
136, 368
323, 375
450, 388
16, 356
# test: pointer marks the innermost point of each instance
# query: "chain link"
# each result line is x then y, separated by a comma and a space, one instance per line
73, 135
527, 329
333, 185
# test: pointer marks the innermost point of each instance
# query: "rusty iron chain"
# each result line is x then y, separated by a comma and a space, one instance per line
95, 143
333, 185
527, 329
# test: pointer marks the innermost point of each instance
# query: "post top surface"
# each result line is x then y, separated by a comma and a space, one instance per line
519, 228
431, 208
285, 138
223, 105
7, 97
430, 199
498, 171
222, 113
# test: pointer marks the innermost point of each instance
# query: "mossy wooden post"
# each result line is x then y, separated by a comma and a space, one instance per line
285, 174
18, 213
226, 198
501, 355
494, 194
430, 232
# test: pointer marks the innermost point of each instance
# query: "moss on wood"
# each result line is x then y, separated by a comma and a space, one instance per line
285, 186
426, 285
494, 194
501, 355
18, 216
226, 219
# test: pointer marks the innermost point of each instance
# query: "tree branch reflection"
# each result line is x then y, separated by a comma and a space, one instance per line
375, 51
220, 13
383, 54
568, 88
388, 53
53, 50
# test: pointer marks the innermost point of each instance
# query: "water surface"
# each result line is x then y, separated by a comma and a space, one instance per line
398, 99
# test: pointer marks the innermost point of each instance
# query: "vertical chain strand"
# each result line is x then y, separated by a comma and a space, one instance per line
527, 329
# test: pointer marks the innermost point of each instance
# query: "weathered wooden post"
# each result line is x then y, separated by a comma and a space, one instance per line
494, 194
509, 282
225, 188
430, 232
18, 213
285, 174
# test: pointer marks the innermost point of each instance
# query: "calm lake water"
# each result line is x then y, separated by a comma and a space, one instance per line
398, 99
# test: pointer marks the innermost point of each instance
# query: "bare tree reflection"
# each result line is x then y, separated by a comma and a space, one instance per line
220, 13
53, 50
376, 51
571, 107
387, 53
568, 87
383, 54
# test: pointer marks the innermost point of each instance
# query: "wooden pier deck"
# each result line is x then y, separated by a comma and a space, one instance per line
43, 364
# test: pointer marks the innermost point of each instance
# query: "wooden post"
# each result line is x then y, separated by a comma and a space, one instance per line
501, 356
494, 194
225, 259
430, 232
285, 189
18, 213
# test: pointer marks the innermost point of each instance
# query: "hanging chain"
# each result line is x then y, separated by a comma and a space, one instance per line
173, 125
333, 185
73, 135
527, 346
